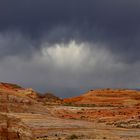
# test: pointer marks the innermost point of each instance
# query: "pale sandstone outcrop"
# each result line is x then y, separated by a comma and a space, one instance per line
12, 128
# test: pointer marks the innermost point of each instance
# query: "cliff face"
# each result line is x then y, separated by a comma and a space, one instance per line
12, 128
13, 100
17, 100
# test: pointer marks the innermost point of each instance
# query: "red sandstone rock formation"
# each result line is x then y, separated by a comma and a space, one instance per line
11, 128
107, 97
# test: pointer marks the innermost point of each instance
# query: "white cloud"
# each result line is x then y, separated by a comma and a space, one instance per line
76, 56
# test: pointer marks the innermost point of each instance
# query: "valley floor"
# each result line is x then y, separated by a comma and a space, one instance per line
57, 127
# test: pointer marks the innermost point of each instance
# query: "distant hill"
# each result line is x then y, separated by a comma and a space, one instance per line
14, 98
106, 97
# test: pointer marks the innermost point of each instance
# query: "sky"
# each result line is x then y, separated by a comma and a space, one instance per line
70, 46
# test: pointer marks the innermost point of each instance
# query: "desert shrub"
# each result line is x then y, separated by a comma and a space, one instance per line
16, 86
68, 104
87, 105
79, 112
72, 137
82, 117
137, 126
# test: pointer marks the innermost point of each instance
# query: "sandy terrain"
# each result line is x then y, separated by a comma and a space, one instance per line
53, 128
95, 115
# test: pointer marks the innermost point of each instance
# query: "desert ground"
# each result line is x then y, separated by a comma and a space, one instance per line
96, 115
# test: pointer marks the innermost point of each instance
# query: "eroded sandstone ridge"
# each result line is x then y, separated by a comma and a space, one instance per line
112, 114
12, 128
107, 97
16, 100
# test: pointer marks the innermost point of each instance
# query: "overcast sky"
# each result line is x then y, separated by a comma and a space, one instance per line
70, 46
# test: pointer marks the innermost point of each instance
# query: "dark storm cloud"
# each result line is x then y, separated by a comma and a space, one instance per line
35, 15
114, 22
67, 44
